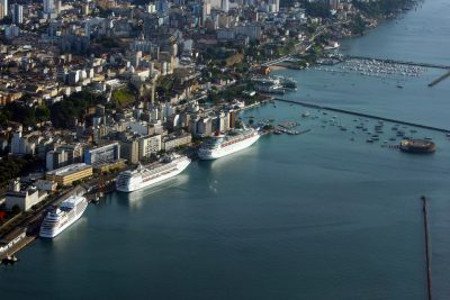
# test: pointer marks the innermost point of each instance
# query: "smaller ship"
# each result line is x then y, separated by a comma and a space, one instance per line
332, 46
287, 82
268, 85
59, 218
417, 146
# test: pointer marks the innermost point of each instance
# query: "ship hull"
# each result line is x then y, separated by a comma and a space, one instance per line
221, 152
53, 233
134, 186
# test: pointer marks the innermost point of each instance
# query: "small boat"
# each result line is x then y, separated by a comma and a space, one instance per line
305, 114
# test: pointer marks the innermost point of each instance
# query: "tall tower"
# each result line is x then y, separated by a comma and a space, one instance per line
225, 5
17, 16
4, 8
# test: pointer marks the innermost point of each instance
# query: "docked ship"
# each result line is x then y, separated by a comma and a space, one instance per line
145, 176
287, 82
59, 218
417, 146
232, 142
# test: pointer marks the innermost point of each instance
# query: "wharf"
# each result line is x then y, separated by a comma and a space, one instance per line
364, 115
17, 247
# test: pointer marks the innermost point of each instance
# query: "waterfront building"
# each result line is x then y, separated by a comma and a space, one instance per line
130, 150
204, 127
67, 175
172, 142
23, 199
104, 154
149, 145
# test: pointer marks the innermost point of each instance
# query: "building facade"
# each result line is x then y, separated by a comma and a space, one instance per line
67, 175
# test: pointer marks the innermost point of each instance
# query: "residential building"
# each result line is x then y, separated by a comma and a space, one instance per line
149, 145
17, 16
3, 8
172, 142
104, 154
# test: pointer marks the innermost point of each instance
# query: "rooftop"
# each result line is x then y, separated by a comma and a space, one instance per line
69, 169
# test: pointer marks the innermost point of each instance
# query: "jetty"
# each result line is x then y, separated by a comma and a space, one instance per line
400, 62
364, 115
427, 246
439, 79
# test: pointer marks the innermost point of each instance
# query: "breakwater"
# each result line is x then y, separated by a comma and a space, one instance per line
364, 115
439, 79
427, 246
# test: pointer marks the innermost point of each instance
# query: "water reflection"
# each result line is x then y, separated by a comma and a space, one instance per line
135, 200
235, 158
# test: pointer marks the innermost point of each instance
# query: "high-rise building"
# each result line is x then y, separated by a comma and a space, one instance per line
49, 6
206, 10
225, 5
17, 16
3, 8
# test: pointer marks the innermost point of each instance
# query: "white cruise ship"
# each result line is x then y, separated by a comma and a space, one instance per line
145, 176
69, 211
235, 141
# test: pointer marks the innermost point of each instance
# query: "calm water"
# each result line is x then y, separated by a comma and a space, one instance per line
315, 216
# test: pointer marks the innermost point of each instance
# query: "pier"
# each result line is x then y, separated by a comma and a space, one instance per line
364, 115
439, 79
400, 62
276, 61
427, 246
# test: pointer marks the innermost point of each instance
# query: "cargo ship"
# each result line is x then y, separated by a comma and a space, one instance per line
417, 146
232, 142
59, 218
148, 175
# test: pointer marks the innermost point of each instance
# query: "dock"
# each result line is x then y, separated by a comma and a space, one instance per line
400, 62
364, 115
427, 246
439, 79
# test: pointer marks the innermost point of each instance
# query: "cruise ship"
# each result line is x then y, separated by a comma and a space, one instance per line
68, 212
145, 176
235, 141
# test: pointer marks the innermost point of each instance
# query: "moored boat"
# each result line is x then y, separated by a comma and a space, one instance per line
232, 142
145, 176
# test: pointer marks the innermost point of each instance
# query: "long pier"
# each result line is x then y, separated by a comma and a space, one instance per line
400, 62
427, 245
439, 79
364, 115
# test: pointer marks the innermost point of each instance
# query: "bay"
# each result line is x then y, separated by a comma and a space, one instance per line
314, 216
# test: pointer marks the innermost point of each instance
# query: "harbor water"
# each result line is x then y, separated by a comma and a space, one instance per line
322, 215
